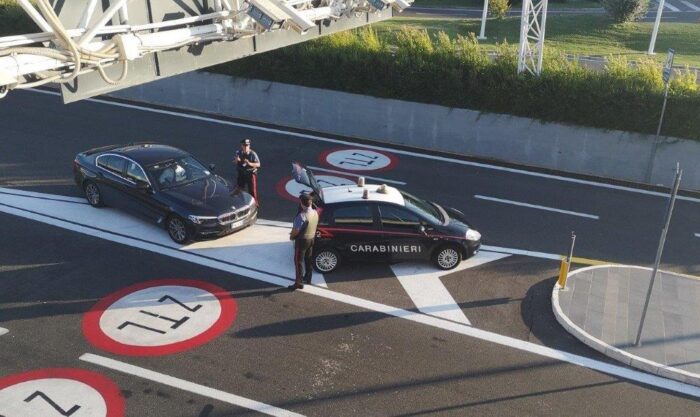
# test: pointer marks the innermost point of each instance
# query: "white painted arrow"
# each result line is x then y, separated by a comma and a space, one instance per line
3, 331
422, 283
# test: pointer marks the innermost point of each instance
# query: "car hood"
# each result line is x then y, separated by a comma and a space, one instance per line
211, 196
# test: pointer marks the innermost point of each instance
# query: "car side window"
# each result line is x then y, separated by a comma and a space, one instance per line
355, 215
112, 163
135, 173
397, 217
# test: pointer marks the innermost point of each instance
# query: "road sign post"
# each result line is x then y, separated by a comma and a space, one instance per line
668, 70
660, 250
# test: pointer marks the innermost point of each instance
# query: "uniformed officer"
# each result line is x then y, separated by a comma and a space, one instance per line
247, 165
303, 234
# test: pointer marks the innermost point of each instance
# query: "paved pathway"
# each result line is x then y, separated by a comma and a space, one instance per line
602, 306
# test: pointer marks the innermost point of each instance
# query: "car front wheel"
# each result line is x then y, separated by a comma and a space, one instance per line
93, 194
326, 260
447, 257
177, 229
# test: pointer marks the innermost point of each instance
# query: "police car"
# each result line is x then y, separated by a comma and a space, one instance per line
381, 223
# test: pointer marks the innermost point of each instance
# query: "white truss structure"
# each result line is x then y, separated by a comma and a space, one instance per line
59, 54
532, 25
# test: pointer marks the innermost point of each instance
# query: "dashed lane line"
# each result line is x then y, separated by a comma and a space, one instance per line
534, 206
416, 317
697, 235
188, 386
3, 331
380, 148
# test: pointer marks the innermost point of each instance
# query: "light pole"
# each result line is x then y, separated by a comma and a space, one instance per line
655, 32
482, 34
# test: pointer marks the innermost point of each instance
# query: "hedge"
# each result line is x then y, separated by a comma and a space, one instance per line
455, 72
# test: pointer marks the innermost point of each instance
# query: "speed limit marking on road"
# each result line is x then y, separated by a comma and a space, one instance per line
290, 189
364, 160
60, 392
159, 317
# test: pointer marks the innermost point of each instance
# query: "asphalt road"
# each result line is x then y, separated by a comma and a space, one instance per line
321, 355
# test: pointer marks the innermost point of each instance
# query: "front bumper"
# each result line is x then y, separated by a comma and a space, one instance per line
470, 248
212, 231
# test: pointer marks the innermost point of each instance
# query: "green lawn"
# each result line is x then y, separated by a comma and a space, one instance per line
589, 35
571, 4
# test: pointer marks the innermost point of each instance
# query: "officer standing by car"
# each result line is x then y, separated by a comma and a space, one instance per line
247, 165
303, 234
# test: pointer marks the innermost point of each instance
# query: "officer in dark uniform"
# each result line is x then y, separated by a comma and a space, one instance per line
247, 165
303, 234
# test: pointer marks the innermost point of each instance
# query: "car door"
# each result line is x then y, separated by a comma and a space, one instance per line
356, 233
110, 179
141, 192
402, 233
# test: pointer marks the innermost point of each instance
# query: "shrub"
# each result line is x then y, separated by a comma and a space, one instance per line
498, 8
625, 10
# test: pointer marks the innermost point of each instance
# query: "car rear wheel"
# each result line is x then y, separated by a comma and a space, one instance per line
93, 194
447, 257
177, 229
326, 260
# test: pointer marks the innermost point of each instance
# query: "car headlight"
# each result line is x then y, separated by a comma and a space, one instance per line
200, 219
473, 235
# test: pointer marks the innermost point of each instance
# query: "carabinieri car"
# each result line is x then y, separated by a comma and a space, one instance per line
381, 223
165, 185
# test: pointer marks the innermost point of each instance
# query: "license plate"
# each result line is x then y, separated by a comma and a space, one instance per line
237, 224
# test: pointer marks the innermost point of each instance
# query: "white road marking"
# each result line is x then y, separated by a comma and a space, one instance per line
422, 283
381, 148
188, 386
518, 203
697, 235
44, 213
671, 7
355, 174
3, 331
691, 5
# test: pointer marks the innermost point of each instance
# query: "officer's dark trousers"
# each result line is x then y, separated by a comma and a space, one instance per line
249, 183
302, 255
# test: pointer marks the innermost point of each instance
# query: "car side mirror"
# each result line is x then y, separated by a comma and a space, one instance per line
212, 167
143, 185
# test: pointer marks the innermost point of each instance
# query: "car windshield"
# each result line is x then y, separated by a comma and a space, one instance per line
176, 172
423, 207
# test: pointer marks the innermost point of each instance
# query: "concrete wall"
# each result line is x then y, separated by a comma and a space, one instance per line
614, 154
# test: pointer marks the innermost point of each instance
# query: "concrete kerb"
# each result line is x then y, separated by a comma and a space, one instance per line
611, 351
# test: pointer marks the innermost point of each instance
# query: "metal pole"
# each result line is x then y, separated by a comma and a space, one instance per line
573, 242
655, 32
660, 250
663, 110
482, 35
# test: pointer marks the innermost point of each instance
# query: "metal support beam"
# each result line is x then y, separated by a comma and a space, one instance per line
532, 29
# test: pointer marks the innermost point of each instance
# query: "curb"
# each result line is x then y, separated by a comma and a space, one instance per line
615, 353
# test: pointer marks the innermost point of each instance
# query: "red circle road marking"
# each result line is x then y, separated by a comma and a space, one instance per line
97, 337
327, 158
108, 390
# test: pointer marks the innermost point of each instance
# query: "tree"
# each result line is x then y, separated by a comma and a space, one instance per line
625, 10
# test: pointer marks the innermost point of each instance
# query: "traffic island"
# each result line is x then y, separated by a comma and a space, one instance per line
602, 306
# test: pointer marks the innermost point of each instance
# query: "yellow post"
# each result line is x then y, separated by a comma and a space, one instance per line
563, 273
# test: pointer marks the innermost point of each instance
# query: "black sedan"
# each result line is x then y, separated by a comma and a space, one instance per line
165, 185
